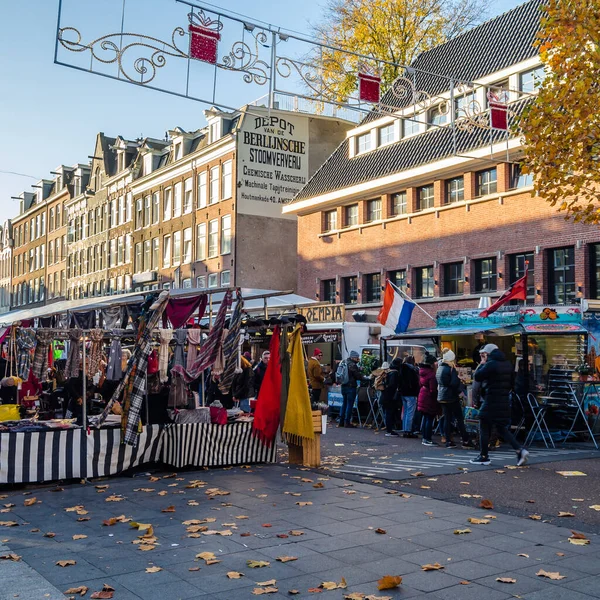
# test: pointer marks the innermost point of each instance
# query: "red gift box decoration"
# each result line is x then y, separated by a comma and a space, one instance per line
204, 37
368, 87
498, 112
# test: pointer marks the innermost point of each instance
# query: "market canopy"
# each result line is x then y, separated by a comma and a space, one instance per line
500, 330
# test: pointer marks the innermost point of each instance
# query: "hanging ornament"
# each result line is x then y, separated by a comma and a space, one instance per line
204, 37
498, 110
368, 87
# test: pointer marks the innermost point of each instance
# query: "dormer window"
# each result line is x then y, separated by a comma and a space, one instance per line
148, 159
178, 150
363, 143
438, 116
215, 131
58, 183
121, 161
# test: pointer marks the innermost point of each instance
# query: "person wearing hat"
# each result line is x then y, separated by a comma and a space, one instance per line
316, 379
449, 397
390, 396
495, 376
260, 369
349, 389
427, 403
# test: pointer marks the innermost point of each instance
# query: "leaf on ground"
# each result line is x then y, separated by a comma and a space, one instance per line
206, 555
30, 502
314, 590
194, 569
267, 583
283, 536
595, 507
476, 521
214, 561
555, 576
169, 509
487, 504
579, 542
304, 503
267, 525
332, 585
432, 567
146, 547
113, 498
530, 501
523, 555
153, 569
12, 556
565, 514
241, 517
318, 486
163, 493
66, 563
79, 536
461, 531
110, 522
506, 580
285, 559
257, 564
293, 592
81, 590
234, 574
418, 474
264, 590
49, 534
296, 532
465, 582
104, 594
578, 536
389, 582
535, 517
381, 531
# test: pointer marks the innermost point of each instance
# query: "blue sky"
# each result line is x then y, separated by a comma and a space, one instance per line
50, 114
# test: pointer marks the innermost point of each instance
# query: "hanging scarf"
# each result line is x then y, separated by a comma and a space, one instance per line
179, 355
266, 415
284, 358
194, 339
114, 370
212, 345
179, 310
231, 347
74, 358
114, 317
166, 335
40, 356
297, 424
25, 344
93, 363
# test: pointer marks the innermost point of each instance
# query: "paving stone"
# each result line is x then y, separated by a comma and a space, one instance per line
429, 581
524, 585
472, 591
588, 585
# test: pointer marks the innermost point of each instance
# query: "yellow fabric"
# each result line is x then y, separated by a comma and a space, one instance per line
9, 412
298, 416
315, 374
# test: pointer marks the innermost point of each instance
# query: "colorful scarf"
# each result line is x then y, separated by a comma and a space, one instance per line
266, 415
166, 335
74, 357
25, 344
231, 347
194, 340
93, 363
297, 424
40, 356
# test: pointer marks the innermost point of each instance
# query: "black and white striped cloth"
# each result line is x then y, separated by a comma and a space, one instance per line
208, 445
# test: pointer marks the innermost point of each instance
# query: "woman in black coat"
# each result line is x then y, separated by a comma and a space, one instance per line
390, 397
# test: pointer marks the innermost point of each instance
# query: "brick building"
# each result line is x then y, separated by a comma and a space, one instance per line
442, 210
6, 247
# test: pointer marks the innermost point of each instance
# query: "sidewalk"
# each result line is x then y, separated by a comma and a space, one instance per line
338, 540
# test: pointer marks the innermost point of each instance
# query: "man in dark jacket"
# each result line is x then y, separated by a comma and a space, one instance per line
390, 397
495, 376
260, 370
349, 389
409, 390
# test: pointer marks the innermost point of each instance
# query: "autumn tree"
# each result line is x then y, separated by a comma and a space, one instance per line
387, 30
561, 128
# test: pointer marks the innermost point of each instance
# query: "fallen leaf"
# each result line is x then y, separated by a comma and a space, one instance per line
595, 507
476, 521
234, 574
578, 536
79, 536
506, 580
110, 522
304, 503
465, 582
535, 517
296, 532
267, 525
146, 547
165, 493
147, 490
318, 485
169, 509
113, 498
257, 564
212, 562
49, 535
36, 530
194, 569
102, 595
578, 542
81, 519
332, 585
487, 504
265, 590
81, 590
565, 514
267, 583
315, 590
66, 563
434, 567
283, 535
13, 557
560, 554
30, 501
555, 576
418, 474
523, 555
530, 501
293, 592
389, 582
461, 531
241, 517
285, 559
379, 530
206, 555
153, 569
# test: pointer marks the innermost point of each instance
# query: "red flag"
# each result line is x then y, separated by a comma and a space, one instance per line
266, 415
517, 291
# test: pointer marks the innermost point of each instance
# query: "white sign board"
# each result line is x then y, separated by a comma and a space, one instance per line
272, 161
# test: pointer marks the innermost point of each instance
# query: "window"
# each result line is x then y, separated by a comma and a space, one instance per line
100, 220
187, 245
176, 248
215, 129
202, 200
329, 291
128, 247
373, 285
213, 238
438, 116
51, 220
424, 282
201, 282
167, 251
201, 241
411, 126
373, 210
351, 215
122, 215
517, 270
363, 143
178, 151
213, 280
594, 250
225, 278
139, 213
50, 253
350, 290
226, 234
226, 181
139, 265
499, 90
531, 80
485, 275
177, 200
387, 134
121, 250
399, 204
455, 190
155, 255
128, 207
114, 215
453, 279
518, 179
425, 197
167, 209
487, 182
42, 257
147, 255
187, 196
329, 221
398, 278
214, 185
147, 211
465, 105
561, 275
186, 284
113, 253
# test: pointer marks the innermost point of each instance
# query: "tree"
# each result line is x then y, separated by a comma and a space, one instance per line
561, 127
391, 30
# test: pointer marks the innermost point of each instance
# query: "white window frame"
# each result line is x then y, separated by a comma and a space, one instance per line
201, 282
226, 180
188, 198
226, 234
213, 238
214, 185
177, 199
213, 280
167, 204
225, 278
201, 241
202, 190
187, 246
176, 260
167, 251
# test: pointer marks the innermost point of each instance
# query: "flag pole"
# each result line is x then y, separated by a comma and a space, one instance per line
411, 300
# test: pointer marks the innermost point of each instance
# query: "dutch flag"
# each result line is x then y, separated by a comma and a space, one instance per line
396, 311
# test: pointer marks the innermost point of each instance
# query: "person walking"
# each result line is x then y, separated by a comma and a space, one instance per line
495, 375
409, 390
389, 395
315, 376
350, 381
427, 403
448, 396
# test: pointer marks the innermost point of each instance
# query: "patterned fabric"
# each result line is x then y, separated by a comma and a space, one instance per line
210, 348
25, 344
93, 362
40, 356
231, 347
166, 335
180, 337
114, 317
114, 370
179, 310
74, 357
194, 340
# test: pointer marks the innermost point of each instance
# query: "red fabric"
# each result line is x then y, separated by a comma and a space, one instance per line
153, 363
31, 387
267, 413
517, 291
179, 310
218, 416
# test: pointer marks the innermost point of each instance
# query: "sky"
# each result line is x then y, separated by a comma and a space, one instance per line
50, 114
